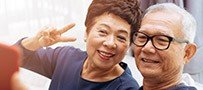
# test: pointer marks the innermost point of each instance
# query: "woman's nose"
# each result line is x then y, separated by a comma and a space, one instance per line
110, 42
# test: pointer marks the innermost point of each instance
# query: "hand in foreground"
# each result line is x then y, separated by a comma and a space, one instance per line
16, 83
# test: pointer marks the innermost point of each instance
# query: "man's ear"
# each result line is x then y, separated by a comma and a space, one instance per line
190, 50
132, 47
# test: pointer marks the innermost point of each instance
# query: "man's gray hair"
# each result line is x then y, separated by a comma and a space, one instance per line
188, 21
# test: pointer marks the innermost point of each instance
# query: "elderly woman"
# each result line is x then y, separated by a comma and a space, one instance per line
109, 24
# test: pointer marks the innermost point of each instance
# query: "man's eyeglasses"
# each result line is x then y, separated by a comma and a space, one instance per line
160, 42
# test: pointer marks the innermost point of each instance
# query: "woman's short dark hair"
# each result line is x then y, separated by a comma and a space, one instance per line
128, 10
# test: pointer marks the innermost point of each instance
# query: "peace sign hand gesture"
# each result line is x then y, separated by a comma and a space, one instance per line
48, 36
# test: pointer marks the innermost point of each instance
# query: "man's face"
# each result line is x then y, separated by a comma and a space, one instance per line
107, 41
160, 63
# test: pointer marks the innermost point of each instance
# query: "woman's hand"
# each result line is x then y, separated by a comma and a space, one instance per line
48, 36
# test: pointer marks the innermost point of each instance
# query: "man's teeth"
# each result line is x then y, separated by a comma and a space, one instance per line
149, 61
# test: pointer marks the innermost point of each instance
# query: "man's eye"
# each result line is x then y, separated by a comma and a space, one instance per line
141, 37
162, 39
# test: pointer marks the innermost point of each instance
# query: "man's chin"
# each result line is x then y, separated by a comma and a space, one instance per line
149, 74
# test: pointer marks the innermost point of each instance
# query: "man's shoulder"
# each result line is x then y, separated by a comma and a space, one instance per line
182, 87
177, 87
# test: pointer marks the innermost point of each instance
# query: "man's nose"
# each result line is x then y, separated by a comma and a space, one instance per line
149, 47
110, 42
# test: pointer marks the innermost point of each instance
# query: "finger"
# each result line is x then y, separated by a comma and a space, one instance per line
46, 41
41, 32
49, 32
54, 34
66, 39
66, 28
45, 33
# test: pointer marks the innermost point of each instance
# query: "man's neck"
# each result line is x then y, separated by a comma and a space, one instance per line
158, 83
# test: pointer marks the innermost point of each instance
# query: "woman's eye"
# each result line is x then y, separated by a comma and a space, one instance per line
122, 38
102, 32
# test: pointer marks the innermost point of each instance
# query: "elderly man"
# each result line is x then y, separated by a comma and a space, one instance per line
162, 45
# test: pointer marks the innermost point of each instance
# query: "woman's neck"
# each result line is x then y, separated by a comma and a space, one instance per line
93, 73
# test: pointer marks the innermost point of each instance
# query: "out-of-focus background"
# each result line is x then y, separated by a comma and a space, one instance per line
24, 18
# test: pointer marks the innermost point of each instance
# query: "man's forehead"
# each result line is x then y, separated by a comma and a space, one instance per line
165, 21
163, 15
155, 30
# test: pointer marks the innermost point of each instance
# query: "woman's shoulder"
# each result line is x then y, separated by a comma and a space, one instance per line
126, 78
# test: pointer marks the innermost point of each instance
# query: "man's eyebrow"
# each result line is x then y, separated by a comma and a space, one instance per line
155, 33
162, 33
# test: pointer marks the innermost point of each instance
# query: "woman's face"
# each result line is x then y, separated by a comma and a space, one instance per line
107, 41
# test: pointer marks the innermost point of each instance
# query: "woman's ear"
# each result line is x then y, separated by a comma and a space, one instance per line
85, 36
190, 50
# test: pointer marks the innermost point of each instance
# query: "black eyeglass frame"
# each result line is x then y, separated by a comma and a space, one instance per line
151, 38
